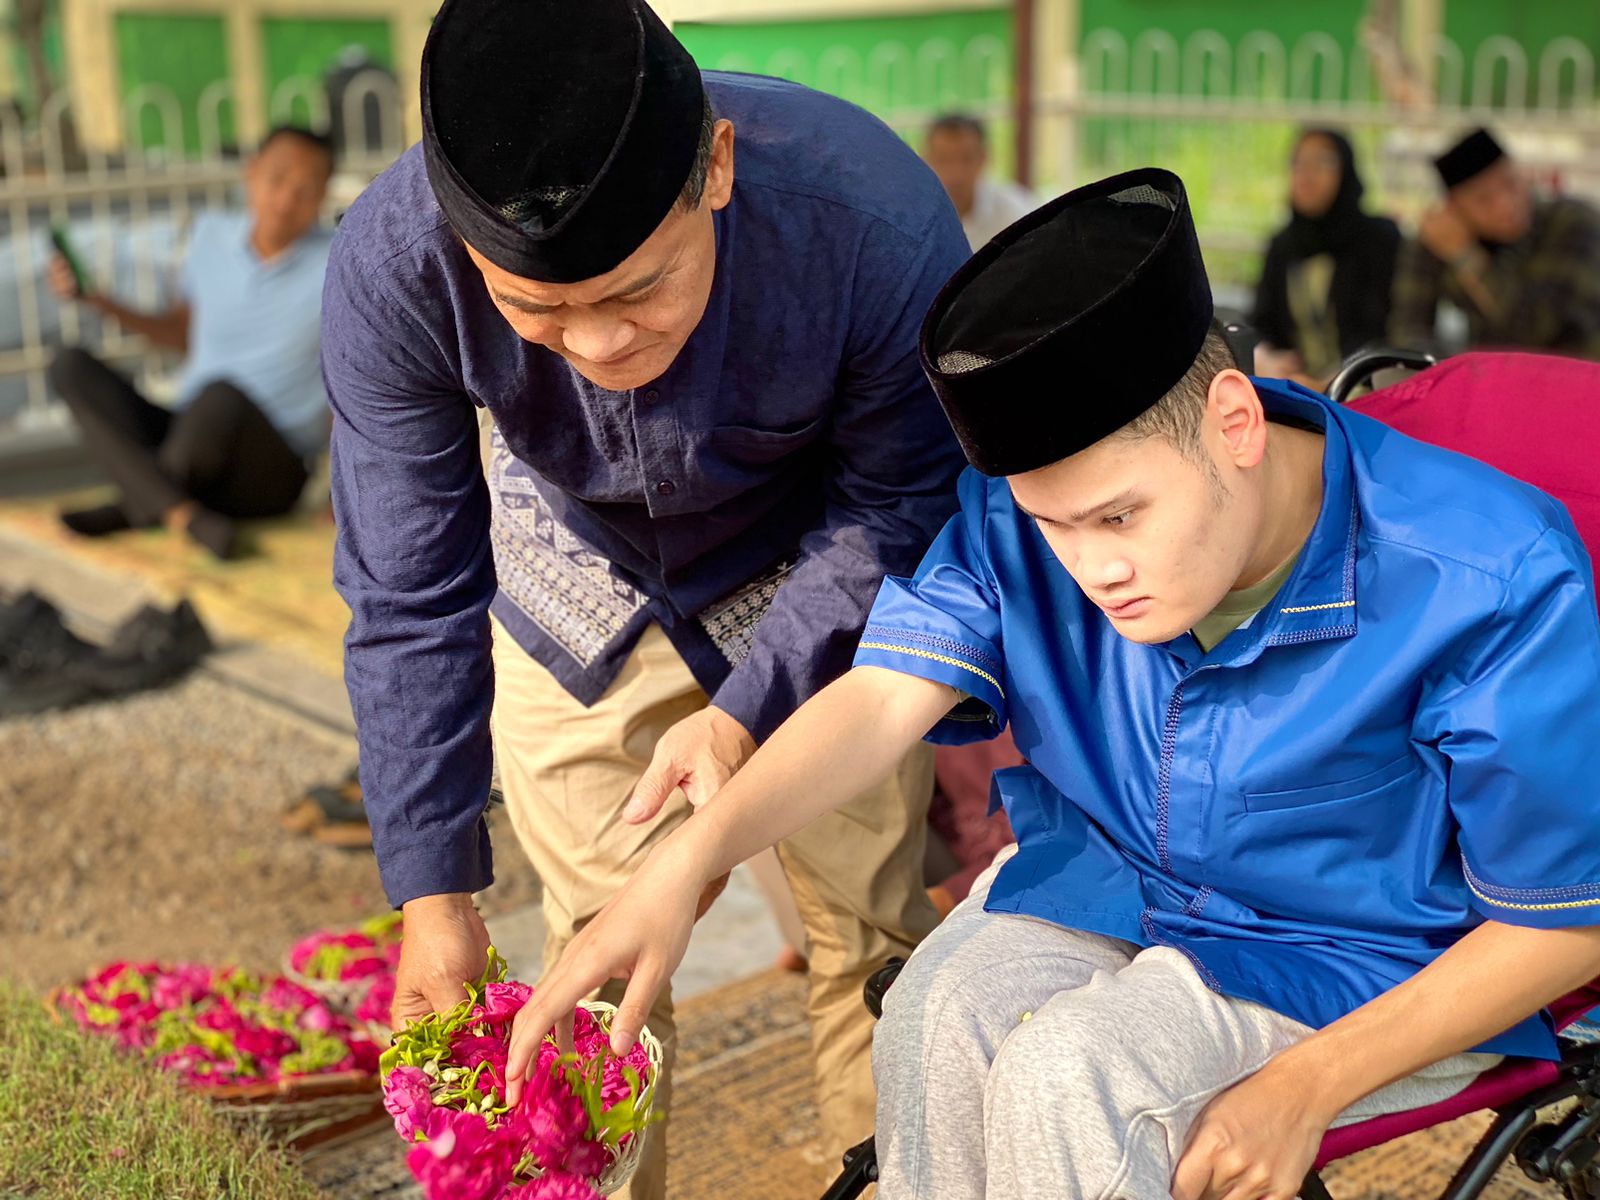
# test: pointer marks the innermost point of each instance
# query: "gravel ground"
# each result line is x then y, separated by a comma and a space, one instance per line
148, 828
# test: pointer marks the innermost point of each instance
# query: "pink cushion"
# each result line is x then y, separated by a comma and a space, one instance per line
1511, 1080
1533, 416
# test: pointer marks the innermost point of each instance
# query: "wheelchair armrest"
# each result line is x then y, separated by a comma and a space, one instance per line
1364, 364
879, 982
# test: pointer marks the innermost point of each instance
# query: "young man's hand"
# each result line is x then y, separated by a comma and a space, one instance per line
699, 754
640, 936
1255, 1141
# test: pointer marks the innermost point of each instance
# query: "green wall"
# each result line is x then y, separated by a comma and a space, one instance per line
184, 53
187, 53
888, 65
307, 48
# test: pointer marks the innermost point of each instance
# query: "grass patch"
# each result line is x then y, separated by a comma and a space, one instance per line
80, 1117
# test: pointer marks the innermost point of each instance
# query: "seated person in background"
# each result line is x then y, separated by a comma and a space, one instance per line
1306, 827
1324, 290
1524, 269
957, 149
251, 410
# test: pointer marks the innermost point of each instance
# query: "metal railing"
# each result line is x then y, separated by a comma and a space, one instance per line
1224, 113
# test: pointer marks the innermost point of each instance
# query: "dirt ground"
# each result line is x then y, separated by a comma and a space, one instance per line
147, 828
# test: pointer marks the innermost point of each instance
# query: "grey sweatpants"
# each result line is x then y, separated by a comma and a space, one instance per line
1091, 1097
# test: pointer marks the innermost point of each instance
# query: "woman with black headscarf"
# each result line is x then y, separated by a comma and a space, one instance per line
1324, 290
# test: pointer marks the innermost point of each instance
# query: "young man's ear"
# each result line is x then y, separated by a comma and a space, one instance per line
1241, 421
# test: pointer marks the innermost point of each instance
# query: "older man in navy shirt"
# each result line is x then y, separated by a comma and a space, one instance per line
711, 440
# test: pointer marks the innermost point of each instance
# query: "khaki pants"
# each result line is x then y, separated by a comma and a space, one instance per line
567, 771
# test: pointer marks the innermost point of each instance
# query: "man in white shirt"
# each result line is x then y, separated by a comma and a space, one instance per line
957, 148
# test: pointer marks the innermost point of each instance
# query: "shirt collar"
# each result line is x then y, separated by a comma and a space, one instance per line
1318, 601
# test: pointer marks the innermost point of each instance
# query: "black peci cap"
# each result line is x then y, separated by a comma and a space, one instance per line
1071, 323
558, 134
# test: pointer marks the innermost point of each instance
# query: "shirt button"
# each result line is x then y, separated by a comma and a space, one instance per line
666, 487
652, 397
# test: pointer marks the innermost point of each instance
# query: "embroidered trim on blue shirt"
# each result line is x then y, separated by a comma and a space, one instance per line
1305, 608
942, 658
937, 642
1169, 741
1149, 927
1503, 897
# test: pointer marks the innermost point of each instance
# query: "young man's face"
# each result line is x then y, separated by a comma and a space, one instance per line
622, 329
1153, 537
1495, 204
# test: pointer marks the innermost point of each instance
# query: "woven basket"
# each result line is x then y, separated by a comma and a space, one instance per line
616, 1176
302, 1111
298, 1112
340, 996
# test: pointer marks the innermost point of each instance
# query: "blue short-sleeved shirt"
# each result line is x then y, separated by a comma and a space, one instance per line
258, 325
1402, 745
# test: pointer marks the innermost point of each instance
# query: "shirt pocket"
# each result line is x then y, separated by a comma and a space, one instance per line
1402, 769
752, 446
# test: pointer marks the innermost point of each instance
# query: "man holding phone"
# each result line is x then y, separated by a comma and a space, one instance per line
251, 408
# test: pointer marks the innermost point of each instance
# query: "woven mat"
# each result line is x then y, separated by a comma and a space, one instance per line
745, 1124
280, 594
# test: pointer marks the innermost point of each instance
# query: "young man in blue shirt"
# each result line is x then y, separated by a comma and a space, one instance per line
1306, 830
251, 411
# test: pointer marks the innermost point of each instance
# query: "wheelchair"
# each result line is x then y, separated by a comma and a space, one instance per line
1561, 1148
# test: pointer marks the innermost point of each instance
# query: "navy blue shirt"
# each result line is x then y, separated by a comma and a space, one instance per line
750, 500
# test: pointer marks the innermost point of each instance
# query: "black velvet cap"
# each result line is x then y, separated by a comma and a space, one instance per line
557, 134
1070, 323
1472, 155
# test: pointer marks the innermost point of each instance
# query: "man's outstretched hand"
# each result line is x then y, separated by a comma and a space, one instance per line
445, 945
699, 754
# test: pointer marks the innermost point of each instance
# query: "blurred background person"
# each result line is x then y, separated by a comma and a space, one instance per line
957, 148
1524, 269
1325, 285
251, 411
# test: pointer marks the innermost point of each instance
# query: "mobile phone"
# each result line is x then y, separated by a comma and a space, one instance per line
58, 237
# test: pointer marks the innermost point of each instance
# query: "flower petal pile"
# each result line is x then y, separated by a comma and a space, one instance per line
219, 1026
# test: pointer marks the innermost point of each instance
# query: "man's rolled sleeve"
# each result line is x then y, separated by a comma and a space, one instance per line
413, 562
1515, 719
943, 624
893, 463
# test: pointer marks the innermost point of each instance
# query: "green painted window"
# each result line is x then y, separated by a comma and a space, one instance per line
172, 58
900, 68
302, 49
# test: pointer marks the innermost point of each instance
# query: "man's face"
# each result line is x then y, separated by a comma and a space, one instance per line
285, 185
622, 329
1154, 538
958, 157
1495, 204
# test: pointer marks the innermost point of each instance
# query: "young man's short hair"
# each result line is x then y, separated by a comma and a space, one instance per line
1178, 415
